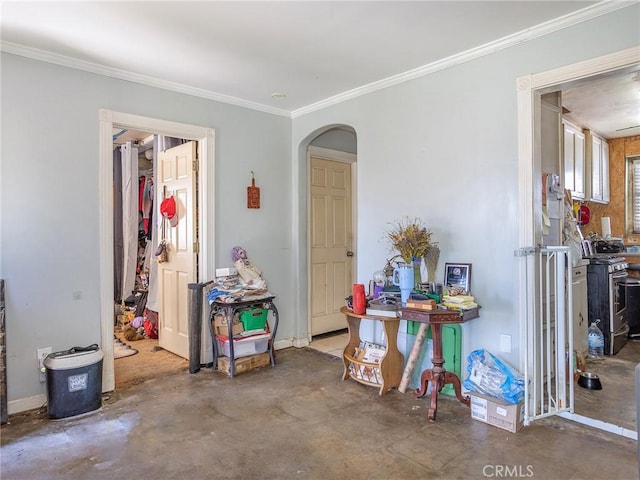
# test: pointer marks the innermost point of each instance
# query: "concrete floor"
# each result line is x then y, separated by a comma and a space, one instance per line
616, 402
298, 420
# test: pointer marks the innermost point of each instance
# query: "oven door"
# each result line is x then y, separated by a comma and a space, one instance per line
618, 297
618, 339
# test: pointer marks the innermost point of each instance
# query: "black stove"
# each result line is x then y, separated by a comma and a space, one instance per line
606, 298
616, 262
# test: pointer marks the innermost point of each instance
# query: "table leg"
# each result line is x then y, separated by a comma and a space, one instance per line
214, 343
229, 313
276, 318
438, 376
353, 324
426, 377
450, 377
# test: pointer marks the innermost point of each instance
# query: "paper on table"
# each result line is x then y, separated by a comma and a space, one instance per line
605, 223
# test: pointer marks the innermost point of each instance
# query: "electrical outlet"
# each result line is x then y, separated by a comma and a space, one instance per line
505, 343
41, 354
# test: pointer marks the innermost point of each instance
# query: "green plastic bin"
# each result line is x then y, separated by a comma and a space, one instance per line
451, 349
254, 318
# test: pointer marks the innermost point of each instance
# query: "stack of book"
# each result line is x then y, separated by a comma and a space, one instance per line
383, 307
459, 302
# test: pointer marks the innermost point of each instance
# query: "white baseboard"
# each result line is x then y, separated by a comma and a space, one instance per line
301, 342
291, 342
37, 401
27, 403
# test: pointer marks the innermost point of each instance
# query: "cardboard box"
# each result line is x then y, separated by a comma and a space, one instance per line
220, 325
497, 412
244, 364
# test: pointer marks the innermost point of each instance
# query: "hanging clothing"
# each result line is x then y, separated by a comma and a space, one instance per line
152, 297
130, 191
141, 186
147, 204
118, 248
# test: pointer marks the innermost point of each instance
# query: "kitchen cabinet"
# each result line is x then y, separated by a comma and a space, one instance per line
580, 309
574, 160
597, 155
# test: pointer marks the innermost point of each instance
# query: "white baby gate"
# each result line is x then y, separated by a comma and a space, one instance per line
547, 330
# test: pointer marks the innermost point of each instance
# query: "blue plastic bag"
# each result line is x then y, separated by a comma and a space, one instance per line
491, 376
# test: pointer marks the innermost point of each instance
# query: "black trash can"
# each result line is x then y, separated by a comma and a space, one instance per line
74, 381
632, 295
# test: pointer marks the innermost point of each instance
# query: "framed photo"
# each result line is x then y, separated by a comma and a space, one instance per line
458, 275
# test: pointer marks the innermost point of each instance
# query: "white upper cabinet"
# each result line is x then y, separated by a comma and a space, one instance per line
597, 155
605, 171
574, 160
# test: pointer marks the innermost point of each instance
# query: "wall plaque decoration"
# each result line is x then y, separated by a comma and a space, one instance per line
253, 194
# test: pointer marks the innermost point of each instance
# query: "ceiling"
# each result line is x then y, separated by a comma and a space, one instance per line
280, 57
608, 104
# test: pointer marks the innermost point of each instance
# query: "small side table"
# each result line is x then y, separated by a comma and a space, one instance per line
229, 309
390, 365
437, 375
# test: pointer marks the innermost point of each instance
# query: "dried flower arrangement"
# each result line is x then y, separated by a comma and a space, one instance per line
410, 238
431, 261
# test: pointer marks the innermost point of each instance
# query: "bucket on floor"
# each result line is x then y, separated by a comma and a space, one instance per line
74, 381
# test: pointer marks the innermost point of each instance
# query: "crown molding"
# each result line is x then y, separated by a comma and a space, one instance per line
588, 13
551, 26
49, 57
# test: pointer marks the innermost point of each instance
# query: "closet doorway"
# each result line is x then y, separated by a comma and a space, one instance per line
191, 206
153, 174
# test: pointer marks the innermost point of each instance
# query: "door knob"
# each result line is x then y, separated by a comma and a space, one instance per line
349, 253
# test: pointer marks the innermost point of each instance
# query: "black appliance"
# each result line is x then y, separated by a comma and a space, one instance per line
606, 275
632, 289
609, 245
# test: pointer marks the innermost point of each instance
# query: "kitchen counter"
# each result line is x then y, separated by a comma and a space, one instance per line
633, 263
631, 257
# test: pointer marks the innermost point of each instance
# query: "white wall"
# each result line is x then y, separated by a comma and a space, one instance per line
444, 148
337, 139
49, 224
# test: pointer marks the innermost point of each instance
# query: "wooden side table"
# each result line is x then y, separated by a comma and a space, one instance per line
390, 366
437, 375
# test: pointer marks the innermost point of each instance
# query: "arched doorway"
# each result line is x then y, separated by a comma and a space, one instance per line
330, 160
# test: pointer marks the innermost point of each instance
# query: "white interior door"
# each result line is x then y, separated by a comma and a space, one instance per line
331, 243
176, 177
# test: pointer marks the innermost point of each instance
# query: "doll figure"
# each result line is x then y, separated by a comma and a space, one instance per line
249, 273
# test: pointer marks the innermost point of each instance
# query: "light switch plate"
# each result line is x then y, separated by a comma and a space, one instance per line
505, 343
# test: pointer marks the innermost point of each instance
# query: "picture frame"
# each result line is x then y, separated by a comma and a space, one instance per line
458, 275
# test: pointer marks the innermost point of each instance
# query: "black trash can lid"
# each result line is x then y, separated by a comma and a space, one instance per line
631, 282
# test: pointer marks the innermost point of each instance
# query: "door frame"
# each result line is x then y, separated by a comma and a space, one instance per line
529, 90
206, 211
335, 156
